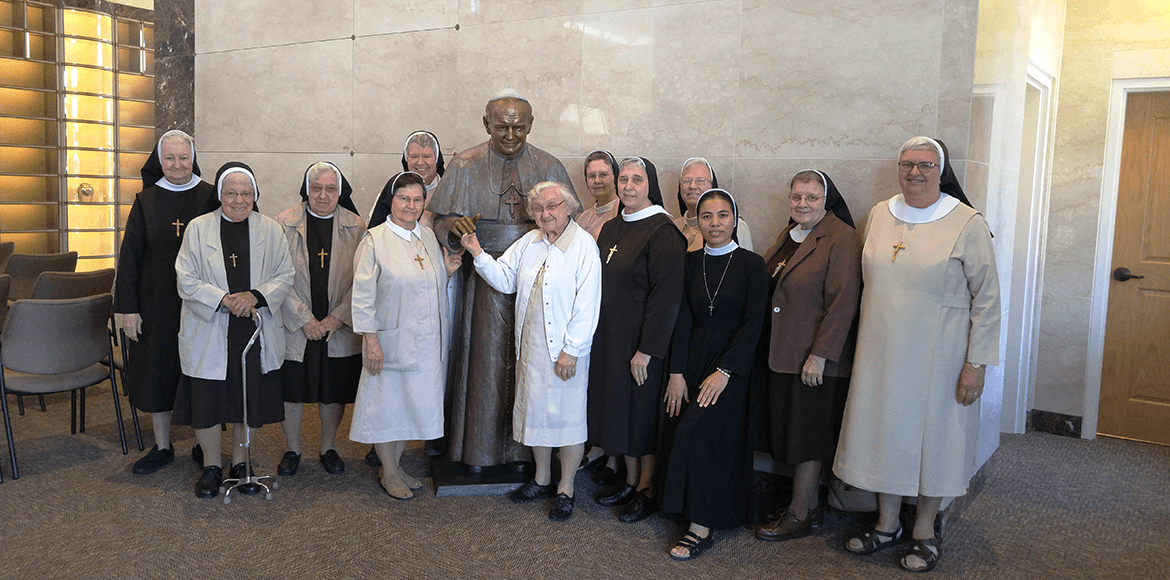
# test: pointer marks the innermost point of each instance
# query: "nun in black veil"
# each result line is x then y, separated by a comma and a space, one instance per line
641, 280
709, 433
322, 359
807, 347
145, 293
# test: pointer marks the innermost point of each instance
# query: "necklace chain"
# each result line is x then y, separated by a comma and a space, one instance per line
707, 287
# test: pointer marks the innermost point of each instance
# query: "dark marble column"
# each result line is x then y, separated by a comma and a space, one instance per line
174, 66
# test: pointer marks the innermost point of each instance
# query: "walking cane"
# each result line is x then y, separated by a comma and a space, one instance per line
248, 478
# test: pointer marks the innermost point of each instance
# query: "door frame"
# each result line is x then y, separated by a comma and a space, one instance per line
1106, 222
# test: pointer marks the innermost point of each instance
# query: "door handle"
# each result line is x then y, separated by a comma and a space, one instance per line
1122, 274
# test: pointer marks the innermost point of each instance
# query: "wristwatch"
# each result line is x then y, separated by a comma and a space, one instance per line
725, 373
976, 366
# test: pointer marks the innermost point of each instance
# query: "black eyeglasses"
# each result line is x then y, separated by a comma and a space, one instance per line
923, 166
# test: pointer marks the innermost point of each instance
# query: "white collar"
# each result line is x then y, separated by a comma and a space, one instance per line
403, 232
691, 221
727, 248
798, 234
643, 213
913, 215
433, 184
191, 183
320, 217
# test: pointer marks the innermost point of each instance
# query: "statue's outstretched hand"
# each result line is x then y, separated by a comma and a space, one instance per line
464, 225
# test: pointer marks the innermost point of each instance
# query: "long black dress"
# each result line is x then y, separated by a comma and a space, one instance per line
147, 286
709, 467
641, 288
204, 403
317, 378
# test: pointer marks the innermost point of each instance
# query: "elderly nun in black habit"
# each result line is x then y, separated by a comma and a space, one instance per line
641, 281
709, 436
234, 264
145, 295
322, 360
422, 155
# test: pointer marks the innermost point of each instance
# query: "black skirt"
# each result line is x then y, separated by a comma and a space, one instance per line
801, 423
204, 403
318, 378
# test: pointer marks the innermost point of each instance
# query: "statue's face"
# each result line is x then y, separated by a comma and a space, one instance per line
508, 122
237, 196
423, 161
324, 193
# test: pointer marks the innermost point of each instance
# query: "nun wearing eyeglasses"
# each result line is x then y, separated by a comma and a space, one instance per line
400, 309
233, 265
322, 359
814, 280
930, 320
709, 432
696, 177
555, 274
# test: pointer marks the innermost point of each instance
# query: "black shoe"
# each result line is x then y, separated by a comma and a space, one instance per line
289, 463
332, 462
435, 447
637, 510
372, 458
209, 483
237, 473
623, 494
531, 491
606, 476
154, 459
196, 454
587, 464
562, 508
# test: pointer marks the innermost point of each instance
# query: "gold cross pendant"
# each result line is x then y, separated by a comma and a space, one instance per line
418, 258
178, 224
779, 267
323, 253
611, 251
898, 246
233, 257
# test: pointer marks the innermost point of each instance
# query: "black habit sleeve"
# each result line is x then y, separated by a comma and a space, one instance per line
738, 357
130, 261
664, 263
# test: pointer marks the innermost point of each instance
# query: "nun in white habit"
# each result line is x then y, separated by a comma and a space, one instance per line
399, 308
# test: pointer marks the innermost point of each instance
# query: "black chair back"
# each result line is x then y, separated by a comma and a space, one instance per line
6, 251
61, 285
5, 286
24, 269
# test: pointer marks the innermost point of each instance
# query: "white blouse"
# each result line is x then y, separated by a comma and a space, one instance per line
572, 285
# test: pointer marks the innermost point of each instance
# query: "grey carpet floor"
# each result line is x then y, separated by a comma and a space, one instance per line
1047, 507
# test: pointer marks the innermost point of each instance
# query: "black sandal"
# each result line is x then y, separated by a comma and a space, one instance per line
922, 550
872, 541
694, 544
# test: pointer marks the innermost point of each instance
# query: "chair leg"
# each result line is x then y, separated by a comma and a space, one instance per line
118, 413
8, 426
20, 403
73, 412
81, 419
42, 398
137, 427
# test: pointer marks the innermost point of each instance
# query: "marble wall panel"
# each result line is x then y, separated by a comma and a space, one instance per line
1060, 380
370, 174
955, 82
860, 91
661, 81
256, 23
372, 17
403, 83
278, 177
543, 64
285, 98
473, 12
